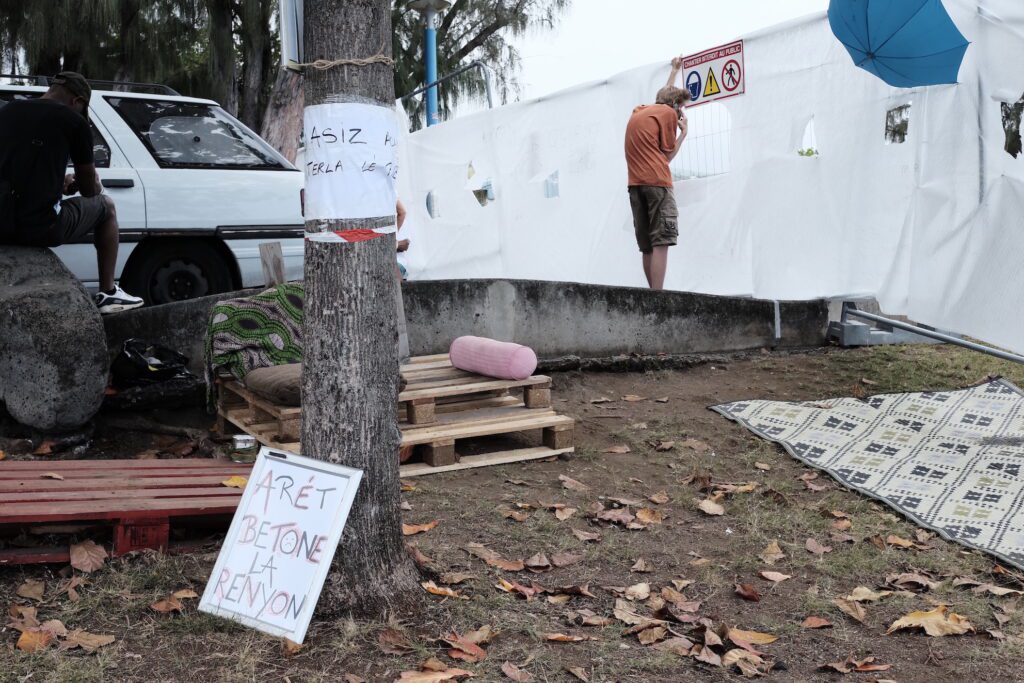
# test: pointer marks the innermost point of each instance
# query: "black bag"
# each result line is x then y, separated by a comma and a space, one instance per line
142, 363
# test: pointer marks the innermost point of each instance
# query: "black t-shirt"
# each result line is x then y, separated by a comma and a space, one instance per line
37, 137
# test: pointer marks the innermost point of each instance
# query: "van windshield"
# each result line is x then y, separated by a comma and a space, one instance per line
193, 135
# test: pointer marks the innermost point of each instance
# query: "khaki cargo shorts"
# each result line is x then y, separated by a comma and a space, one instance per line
655, 216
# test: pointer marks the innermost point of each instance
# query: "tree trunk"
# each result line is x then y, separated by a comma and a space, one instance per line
255, 53
350, 361
282, 119
222, 54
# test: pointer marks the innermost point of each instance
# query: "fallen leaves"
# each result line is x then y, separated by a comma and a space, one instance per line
513, 587
87, 556
899, 542
739, 636
865, 594
34, 639
413, 529
493, 559
90, 642
564, 638
633, 398
572, 484
168, 605
564, 513
937, 623
434, 589
775, 577
464, 648
664, 446
640, 567
289, 648
433, 676
816, 548
235, 482
515, 673
391, 641
853, 610
538, 563
649, 516
710, 507
621, 449
772, 554
815, 622
659, 498
850, 665
747, 592
32, 589
638, 591
565, 559
586, 536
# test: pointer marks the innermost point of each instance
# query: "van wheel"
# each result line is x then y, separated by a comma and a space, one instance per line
165, 271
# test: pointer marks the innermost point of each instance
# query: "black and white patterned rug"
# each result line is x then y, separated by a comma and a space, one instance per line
951, 461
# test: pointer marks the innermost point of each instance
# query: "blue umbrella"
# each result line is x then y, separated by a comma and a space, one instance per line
906, 43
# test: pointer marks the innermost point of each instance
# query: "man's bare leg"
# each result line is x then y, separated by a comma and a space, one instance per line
106, 239
659, 263
647, 268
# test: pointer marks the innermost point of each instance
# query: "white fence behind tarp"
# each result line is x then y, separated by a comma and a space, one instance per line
932, 227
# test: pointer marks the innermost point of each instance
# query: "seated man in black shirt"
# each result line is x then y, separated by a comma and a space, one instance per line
37, 138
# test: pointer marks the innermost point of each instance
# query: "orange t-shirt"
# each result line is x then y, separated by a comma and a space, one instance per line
650, 138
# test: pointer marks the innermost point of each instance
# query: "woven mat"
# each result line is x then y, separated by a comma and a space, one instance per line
950, 461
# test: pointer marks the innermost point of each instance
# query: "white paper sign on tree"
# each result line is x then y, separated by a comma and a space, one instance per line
282, 539
350, 158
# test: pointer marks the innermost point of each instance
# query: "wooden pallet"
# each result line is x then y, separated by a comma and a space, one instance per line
440, 406
139, 497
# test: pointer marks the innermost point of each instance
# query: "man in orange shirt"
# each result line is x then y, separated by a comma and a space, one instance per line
653, 138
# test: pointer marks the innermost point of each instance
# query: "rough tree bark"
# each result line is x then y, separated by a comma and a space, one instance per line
350, 358
222, 54
282, 120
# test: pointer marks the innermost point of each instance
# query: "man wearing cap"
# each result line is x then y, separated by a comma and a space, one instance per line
653, 138
37, 138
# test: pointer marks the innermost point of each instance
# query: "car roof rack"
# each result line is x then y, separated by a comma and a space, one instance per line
127, 86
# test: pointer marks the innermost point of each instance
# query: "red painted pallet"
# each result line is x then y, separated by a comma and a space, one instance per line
139, 497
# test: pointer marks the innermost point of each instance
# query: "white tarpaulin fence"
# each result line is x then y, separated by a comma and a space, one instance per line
933, 226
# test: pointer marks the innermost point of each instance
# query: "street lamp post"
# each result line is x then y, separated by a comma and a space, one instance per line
429, 10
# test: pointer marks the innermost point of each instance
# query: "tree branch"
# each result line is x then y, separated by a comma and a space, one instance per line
486, 33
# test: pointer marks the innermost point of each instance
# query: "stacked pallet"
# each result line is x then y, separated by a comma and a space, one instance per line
441, 410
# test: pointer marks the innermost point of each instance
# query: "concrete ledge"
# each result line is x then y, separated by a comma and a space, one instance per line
556, 319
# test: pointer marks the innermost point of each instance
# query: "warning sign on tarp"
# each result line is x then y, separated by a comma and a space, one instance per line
282, 539
715, 74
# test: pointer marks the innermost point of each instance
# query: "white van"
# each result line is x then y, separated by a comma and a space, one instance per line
196, 193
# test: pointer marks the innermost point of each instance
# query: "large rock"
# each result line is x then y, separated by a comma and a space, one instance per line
53, 354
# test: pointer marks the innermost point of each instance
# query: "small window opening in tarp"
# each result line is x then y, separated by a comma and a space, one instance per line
432, 208
897, 125
809, 144
1011, 125
485, 195
551, 186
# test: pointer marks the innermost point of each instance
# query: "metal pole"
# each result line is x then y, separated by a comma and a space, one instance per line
484, 69
850, 311
430, 58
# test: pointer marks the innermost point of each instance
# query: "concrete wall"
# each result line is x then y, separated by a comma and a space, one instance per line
555, 318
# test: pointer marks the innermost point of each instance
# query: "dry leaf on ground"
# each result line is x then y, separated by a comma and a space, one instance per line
434, 589
633, 398
842, 525
572, 484
649, 516
513, 587
87, 556
850, 665
186, 594
455, 578
763, 466
748, 592
54, 626
663, 446
517, 515
538, 563
695, 445
51, 475
90, 642
494, 559
564, 638
433, 676
464, 649
586, 536
741, 637
851, 609
621, 449
775, 577
638, 591
515, 673
565, 559
235, 482
641, 567
32, 589
816, 622
816, 548
710, 507
579, 672
650, 636
167, 605
289, 648
563, 514
393, 642
865, 594
413, 529
772, 554
898, 541
659, 498
34, 639
936, 623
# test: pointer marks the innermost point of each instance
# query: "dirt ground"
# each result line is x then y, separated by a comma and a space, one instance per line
713, 553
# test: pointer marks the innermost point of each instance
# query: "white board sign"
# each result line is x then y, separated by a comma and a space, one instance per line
715, 74
351, 163
279, 548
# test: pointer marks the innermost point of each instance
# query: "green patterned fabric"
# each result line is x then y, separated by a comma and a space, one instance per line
256, 332
951, 461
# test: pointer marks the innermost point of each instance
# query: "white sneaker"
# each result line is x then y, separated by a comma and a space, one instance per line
119, 301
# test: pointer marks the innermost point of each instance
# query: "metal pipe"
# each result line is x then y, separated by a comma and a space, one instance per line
849, 310
430, 58
486, 70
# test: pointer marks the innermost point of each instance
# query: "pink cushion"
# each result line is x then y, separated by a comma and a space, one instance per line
493, 358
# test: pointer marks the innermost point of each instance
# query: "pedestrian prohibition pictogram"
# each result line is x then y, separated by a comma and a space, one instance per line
715, 74
731, 75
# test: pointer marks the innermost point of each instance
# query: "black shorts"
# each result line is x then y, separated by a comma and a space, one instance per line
78, 217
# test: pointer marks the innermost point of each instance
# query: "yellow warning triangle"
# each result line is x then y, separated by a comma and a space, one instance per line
712, 85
